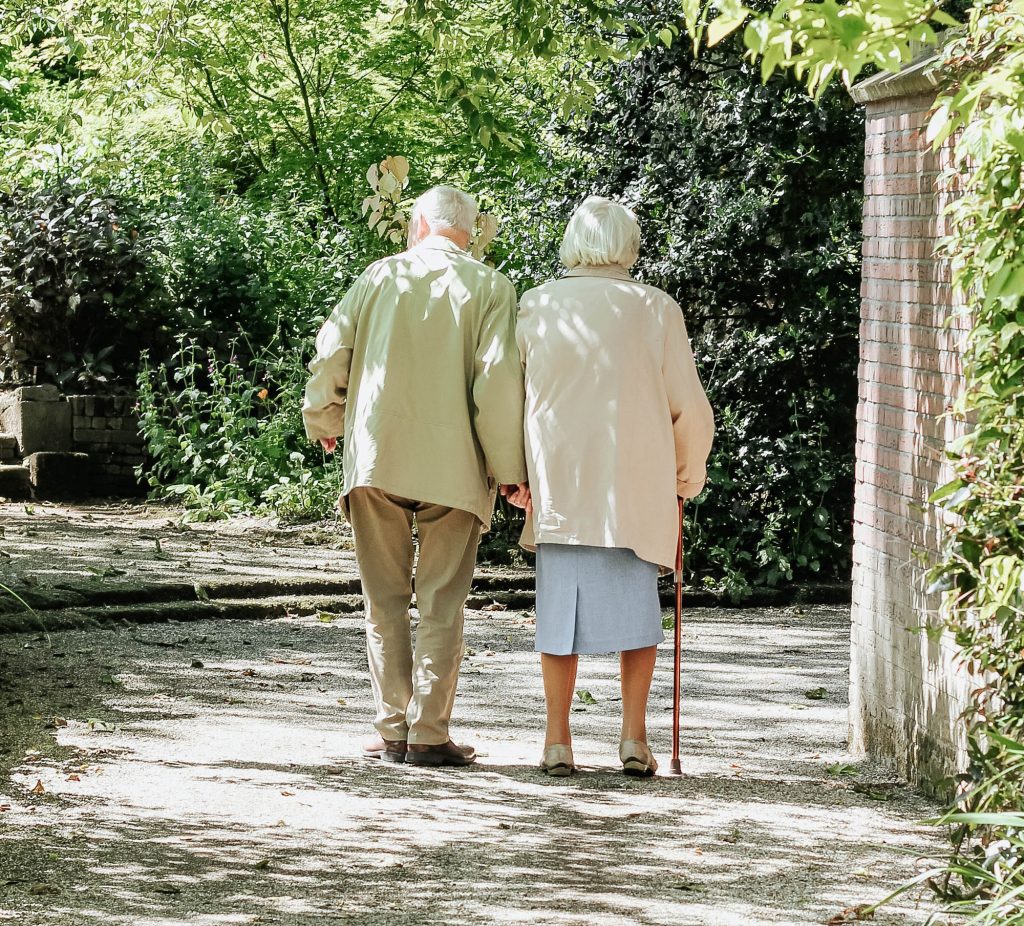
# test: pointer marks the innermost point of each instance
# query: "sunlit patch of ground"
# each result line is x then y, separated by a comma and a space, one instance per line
209, 774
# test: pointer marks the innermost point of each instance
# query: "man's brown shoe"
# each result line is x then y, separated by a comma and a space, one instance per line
442, 754
387, 750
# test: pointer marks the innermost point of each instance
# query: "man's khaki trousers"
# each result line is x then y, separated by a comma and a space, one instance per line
414, 689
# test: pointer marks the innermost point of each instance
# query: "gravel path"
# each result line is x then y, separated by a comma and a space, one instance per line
207, 773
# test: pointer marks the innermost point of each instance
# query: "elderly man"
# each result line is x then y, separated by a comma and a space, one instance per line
418, 368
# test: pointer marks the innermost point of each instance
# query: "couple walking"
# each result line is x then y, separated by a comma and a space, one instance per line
427, 373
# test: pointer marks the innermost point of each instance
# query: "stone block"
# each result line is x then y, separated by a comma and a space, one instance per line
62, 475
37, 425
45, 393
128, 438
15, 483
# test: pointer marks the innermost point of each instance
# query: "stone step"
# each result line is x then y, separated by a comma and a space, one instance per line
15, 482
8, 448
58, 475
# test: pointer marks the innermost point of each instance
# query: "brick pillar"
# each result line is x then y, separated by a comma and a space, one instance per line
906, 692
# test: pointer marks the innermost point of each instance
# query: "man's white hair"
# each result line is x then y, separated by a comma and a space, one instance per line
601, 232
445, 207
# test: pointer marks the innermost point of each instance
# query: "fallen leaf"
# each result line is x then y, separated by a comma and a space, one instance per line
250, 673
852, 915
841, 769
494, 606
37, 890
197, 664
287, 794
73, 778
262, 864
107, 572
39, 789
585, 697
816, 694
164, 887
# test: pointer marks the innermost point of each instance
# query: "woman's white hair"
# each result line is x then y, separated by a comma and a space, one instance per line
445, 207
601, 232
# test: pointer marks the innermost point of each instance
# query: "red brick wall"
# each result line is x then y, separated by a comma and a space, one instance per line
906, 692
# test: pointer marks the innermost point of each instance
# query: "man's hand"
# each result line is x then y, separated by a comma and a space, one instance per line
329, 444
518, 495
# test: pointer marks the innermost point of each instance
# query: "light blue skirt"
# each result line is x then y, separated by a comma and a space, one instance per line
595, 600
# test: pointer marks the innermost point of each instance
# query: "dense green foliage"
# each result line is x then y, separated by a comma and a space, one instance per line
72, 277
239, 135
750, 198
227, 437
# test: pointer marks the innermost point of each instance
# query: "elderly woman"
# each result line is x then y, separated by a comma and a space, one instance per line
617, 427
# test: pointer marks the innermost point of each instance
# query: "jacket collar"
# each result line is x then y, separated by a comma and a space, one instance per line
612, 271
438, 243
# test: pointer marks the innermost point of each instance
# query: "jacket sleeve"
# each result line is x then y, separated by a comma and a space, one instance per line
498, 395
323, 407
693, 423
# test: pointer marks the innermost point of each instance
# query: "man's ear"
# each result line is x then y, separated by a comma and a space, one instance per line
417, 231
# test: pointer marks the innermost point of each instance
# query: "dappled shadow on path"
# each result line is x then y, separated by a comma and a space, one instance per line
221, 783
120, 544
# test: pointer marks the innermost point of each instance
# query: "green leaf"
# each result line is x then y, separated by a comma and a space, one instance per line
946, 490
944, 19
723, 26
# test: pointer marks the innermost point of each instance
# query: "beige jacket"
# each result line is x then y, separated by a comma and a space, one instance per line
417, 367
617, 423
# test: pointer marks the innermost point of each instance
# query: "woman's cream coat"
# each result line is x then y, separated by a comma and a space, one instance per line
617, 423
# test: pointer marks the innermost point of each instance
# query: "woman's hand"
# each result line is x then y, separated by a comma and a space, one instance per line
517, 495
329, 444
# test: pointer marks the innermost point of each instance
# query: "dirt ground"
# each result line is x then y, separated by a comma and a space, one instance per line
208, 773
111, 543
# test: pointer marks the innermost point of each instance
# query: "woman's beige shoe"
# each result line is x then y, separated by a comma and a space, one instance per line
637, 758
557, 761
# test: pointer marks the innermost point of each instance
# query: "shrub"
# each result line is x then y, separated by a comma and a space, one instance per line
749, 199
72, 278
234, 270
226, 438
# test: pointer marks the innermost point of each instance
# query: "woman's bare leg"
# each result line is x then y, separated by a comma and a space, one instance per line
559, 683
637, 671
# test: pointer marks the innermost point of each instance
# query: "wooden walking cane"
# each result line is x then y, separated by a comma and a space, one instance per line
677, 672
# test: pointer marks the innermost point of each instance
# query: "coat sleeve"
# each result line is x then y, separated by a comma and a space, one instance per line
498, 396
693, 423
323, 407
